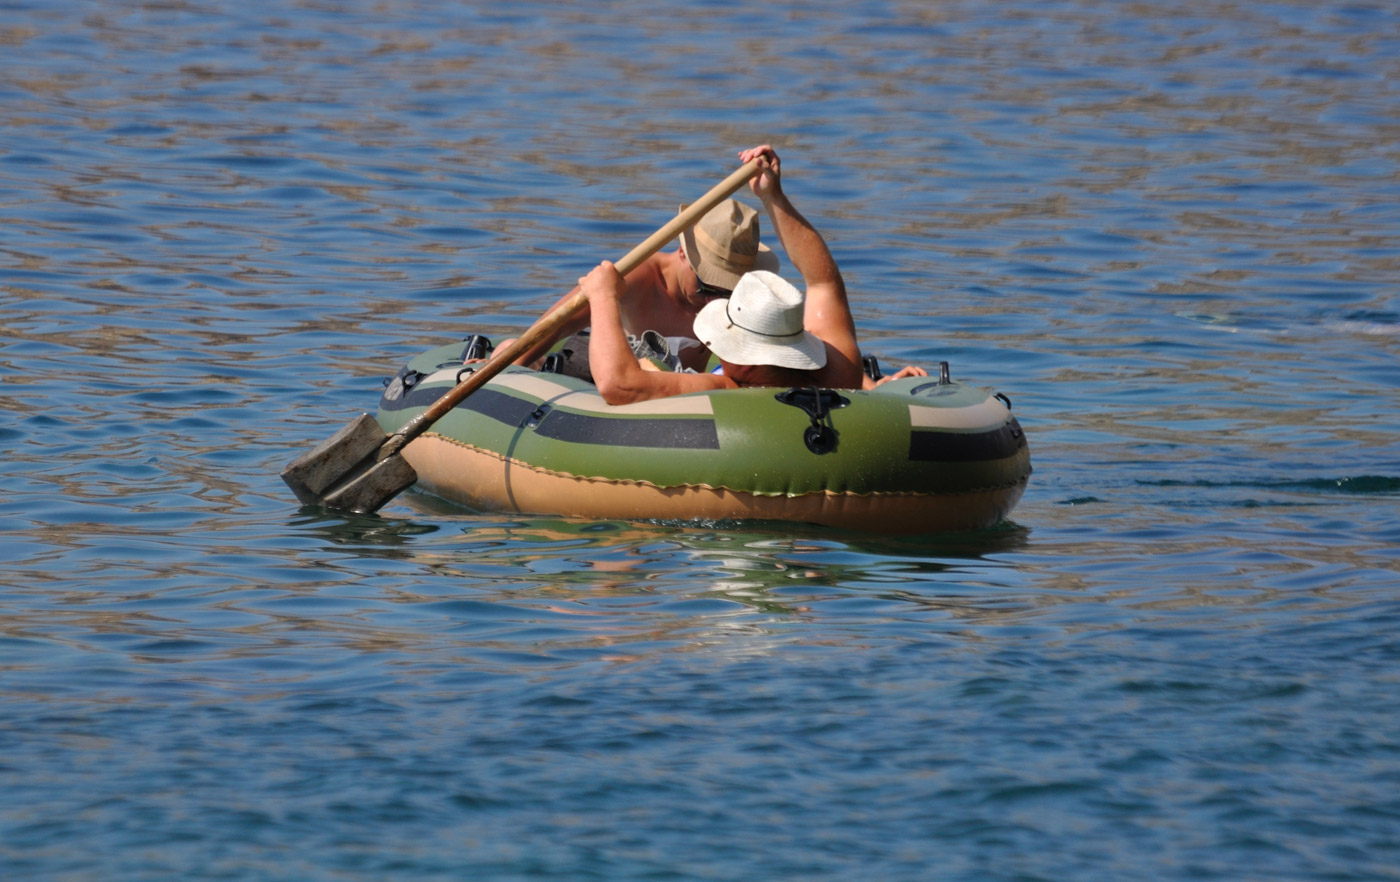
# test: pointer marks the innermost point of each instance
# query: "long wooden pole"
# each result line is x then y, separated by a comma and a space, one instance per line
553, 320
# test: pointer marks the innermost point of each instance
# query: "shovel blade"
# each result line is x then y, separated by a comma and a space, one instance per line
344, 472
366, 491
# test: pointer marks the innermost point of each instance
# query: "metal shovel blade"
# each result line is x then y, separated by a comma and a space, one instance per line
366, 491
345, 471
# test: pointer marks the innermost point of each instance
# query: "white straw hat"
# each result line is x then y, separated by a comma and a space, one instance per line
723, 245
760, 323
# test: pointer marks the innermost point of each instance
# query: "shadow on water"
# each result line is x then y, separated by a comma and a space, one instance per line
755, 563
969, 544
373, 535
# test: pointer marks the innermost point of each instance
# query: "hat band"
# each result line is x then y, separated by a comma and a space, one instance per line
730, 317
724, 257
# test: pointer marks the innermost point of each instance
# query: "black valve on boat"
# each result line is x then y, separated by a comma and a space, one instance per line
944, 385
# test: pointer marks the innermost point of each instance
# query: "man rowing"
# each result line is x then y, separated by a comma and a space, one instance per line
765, 332
667, 291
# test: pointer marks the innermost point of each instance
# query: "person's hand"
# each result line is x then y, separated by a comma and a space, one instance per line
912, 370
769, 180
603, 282
504, 343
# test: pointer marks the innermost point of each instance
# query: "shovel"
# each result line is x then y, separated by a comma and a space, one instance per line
360, 468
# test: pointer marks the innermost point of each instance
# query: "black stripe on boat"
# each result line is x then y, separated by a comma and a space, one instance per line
935, 446
582, 428
675, 434
500, 407
576, 428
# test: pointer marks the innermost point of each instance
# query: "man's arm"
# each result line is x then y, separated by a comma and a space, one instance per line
616, 371
827, 313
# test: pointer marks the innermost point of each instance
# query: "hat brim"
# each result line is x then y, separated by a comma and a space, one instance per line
717, 276
736, 345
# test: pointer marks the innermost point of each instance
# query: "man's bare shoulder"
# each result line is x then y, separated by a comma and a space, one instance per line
649, 278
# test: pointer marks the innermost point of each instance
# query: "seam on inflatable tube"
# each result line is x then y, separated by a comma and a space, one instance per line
630, 482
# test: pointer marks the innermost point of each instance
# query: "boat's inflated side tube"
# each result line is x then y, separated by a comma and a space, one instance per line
915, 455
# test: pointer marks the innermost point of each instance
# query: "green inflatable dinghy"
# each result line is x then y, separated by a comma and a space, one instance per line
914, 455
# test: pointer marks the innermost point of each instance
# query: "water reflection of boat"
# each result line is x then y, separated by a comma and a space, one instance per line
915, 455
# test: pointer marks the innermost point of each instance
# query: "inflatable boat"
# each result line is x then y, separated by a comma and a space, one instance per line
914, 455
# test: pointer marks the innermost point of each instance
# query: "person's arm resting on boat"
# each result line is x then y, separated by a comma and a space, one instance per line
619, 375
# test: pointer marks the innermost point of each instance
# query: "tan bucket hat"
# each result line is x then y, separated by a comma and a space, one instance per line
760, 323
723, 245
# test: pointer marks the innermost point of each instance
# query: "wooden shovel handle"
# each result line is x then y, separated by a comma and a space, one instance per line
551, 321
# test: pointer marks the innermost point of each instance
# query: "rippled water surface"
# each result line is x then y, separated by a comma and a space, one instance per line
1169, 232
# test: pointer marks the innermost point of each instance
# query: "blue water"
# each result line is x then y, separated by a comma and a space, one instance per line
1169, 232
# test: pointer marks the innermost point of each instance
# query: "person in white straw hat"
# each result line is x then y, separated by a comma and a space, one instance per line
765, 333
761, 323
